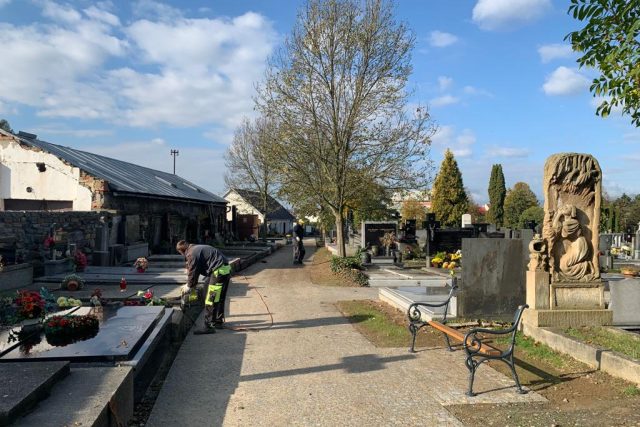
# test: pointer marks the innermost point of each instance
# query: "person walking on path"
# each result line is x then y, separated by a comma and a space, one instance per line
298, 244
210, 262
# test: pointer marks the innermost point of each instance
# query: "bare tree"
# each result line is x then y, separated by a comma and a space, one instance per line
337, 91
248, 166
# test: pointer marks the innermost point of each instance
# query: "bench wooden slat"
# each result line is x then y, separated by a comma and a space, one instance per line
459, 336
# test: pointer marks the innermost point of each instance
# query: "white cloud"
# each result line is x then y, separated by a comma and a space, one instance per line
442, 39
4, 2
471, 90
507, 152
172, 70
460, 144
444, 100
506, 14
59, 129
444, 82
550, 52
153, 10
565, 81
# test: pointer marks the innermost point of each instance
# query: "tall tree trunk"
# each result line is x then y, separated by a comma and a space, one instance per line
340, 234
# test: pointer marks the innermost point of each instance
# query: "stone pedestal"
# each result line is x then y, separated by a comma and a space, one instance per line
563, 305
577, 296
538, 290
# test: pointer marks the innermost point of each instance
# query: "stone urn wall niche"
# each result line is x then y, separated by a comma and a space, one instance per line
564, 287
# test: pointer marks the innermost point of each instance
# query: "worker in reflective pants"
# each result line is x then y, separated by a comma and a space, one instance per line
207, 261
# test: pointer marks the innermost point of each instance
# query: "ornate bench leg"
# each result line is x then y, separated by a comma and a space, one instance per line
519, 389
471, 365
413, 328
446, 338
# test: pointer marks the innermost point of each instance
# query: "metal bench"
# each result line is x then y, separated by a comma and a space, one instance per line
474, 341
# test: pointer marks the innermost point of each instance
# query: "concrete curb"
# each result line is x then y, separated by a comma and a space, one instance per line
605, 360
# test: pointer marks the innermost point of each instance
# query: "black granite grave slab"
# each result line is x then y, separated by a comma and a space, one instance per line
122, 332
23, 385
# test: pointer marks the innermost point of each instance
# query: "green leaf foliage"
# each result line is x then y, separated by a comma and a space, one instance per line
534, 213
497, 193
450, 200
4, 125
610, 42
518, 200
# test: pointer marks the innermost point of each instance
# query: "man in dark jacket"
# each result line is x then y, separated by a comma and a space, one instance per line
298, 245
210, 262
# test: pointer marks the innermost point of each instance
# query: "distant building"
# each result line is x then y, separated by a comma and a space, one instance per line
422, 196
278, 218
147, 205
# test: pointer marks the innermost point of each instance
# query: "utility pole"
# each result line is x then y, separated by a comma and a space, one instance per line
174, 153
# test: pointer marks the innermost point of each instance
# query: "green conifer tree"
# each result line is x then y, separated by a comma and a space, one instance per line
449, 199
518, 199
497, 193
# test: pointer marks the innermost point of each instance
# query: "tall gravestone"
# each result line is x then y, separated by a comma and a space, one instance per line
564, 287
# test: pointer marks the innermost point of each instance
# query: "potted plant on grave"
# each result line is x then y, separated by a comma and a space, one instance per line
388, 240
141, 264
72, 282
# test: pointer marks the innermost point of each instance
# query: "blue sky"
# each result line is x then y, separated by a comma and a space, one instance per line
134, 79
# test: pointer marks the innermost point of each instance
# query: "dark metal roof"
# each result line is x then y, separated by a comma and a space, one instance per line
274, 208
125, 177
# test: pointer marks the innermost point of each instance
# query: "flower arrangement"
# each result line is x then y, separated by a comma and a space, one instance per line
141, 264
145, 298
49, 242
64, 302
64, 330
31, 305
447, 260
80, 260
629, 270
72, 282
388, 239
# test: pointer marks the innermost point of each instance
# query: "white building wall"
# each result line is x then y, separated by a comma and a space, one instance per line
18, 171
242, 206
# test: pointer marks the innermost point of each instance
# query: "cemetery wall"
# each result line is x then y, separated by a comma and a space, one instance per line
25, 232
493, 278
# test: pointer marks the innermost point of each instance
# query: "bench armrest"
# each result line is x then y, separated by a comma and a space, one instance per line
473, 343
413, 312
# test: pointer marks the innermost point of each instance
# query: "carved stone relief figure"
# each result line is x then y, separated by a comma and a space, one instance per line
571, 247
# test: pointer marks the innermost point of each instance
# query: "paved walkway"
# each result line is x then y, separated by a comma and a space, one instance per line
310, 367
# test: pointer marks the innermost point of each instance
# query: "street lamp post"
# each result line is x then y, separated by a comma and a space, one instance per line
174, 153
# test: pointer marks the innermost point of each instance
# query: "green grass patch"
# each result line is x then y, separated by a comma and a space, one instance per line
619, 342
375, 324
535, 350
632, 390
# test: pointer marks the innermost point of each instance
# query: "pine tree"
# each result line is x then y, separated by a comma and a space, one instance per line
450, 200
518, 199
497, 193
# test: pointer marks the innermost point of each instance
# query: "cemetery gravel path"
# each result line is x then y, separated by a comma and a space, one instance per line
305, 365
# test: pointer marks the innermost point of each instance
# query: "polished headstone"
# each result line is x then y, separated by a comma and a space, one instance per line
122, 332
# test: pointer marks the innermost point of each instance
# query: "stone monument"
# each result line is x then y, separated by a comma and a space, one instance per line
564, 287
